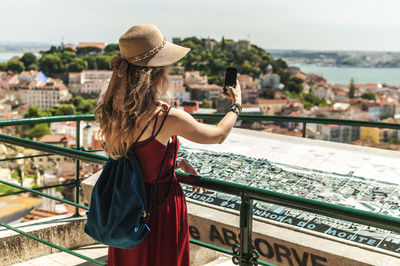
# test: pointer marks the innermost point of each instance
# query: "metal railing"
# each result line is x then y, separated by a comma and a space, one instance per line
243, 254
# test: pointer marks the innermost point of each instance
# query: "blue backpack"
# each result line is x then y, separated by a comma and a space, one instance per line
118, 209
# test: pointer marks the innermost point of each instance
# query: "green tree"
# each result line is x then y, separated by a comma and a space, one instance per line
206, 104
83, 106
293, 87
15, 66
3, 66
61, 110
267, 93
103, 62
352, 89
66, 57
29, 59
52, 50
82, 51
77, 100
368, 95
90, 62
38, 130
111, 48
35, 111
33, 67
76, 65
51, 64
281, 63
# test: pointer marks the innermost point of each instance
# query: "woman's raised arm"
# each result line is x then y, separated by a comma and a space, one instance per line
183, 124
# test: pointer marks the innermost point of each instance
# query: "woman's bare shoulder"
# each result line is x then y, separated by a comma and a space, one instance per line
176, 115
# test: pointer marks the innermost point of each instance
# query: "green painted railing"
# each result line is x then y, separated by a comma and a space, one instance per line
243, 254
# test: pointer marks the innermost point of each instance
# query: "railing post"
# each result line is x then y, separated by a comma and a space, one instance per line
246, 256
77, 168
304, 129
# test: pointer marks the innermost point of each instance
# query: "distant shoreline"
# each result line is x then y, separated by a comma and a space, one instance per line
5, 56
342, 66
343, 75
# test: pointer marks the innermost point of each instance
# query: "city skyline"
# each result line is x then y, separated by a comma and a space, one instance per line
311, 25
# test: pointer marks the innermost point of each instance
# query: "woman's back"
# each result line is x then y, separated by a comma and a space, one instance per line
138, 82
168, 222
150, 151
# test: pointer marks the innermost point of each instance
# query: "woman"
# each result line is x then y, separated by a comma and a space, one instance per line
132, 116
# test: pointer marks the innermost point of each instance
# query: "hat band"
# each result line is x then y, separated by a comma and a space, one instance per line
147, 54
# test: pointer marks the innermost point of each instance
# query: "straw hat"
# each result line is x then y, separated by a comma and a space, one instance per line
144, 45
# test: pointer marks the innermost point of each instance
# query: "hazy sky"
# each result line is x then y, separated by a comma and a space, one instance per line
278, 24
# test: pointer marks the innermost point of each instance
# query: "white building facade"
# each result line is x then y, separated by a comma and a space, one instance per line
89, 81
44, 95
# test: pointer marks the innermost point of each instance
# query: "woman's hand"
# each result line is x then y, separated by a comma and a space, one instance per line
235, 93
189, 169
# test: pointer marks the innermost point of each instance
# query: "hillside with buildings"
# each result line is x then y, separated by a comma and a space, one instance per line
269, 87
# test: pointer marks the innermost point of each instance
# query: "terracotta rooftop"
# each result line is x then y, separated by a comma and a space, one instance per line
100, 45
52, 138
96, 72
278, 101
269, 75
243, 76
300, 75
177, 89
205, 87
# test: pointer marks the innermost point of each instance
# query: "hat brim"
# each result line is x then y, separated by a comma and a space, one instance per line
168, 55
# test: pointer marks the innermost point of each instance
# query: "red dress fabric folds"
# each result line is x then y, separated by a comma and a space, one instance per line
167, 244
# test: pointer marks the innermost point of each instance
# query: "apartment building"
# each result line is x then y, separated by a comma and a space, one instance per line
177, 89
89, 81
43, 95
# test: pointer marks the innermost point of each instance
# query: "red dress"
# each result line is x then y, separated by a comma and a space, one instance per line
167, 244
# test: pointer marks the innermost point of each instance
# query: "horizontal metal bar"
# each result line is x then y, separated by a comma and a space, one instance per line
313, 206
223, 250
216, 248
38, 189
53, 245
298, 119
45, 119
303, 119
39, 155
25, 157
44, 195
44, 147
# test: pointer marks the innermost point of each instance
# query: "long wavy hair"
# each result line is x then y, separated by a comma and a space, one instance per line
147, 90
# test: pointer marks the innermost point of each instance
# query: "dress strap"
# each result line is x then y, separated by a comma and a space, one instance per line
158, 131
141, 133
155, 122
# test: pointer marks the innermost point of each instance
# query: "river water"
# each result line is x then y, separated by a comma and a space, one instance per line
7, 56
343, 75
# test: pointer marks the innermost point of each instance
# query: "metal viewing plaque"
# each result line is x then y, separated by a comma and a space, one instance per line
346, 190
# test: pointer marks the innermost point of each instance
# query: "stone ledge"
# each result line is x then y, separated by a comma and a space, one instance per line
62, 230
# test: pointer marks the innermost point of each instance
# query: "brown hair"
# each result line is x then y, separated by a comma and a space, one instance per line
146, 87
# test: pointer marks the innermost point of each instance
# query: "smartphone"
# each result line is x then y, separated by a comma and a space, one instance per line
230, 78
